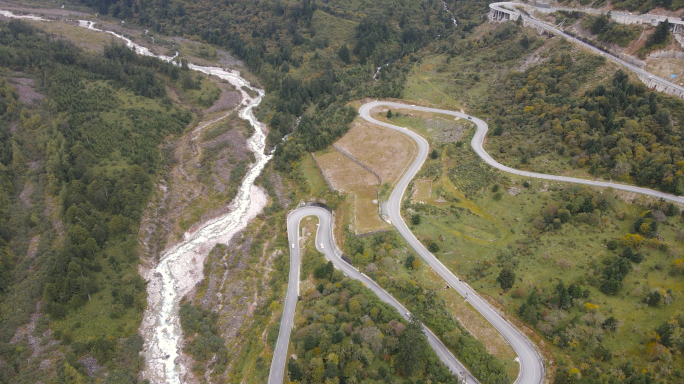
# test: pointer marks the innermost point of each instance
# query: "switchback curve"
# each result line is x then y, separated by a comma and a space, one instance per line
532, 370
325, 243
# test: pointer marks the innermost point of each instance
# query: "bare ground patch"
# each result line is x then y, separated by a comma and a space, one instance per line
343, 173
422, 190
229, 99
24, 87
665, 68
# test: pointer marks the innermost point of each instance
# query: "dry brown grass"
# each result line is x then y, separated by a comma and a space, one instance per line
367, 215
343, 173
347, 176
383, 150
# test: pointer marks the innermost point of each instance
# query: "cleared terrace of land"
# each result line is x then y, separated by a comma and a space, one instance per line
380, 150
347, 176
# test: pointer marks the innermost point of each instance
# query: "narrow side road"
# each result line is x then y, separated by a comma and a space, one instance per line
326, 244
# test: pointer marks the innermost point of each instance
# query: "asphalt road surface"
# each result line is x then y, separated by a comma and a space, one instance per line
326, 244
508, 6
531, 362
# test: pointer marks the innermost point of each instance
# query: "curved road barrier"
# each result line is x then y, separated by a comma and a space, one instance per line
326, 244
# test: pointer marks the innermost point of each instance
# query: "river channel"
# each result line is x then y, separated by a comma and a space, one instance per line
180, 267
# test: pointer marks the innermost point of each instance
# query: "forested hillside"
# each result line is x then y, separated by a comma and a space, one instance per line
619, 129
76, 172
298, 50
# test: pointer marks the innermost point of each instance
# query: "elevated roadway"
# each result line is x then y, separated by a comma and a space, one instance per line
505, 11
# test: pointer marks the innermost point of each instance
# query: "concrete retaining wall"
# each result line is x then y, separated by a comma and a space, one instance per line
660, 87
667, 55
632, 60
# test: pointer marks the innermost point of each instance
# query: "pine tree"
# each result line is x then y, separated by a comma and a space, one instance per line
506, 279
295, 370
411, 347
564, 299
343, 53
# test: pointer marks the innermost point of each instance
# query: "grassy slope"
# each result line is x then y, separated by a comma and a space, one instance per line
472, 246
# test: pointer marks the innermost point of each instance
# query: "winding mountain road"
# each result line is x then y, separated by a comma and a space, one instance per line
532, 370
477, 143
326, 244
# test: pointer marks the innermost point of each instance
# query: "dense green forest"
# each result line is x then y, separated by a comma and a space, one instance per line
299, 64
619, 129
347, 333
606, 29
87, 154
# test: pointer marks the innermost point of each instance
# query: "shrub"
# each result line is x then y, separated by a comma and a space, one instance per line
610, 324
653, 299
408, 263
526, 184
506, 279
415, 219
564, 263
612, 245
433, 247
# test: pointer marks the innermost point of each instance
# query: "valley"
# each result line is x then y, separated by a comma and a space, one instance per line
506, 190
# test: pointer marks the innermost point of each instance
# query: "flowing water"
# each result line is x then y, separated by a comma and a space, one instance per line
451, 13
180, 267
